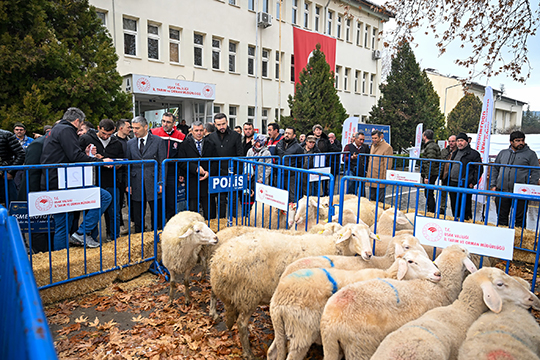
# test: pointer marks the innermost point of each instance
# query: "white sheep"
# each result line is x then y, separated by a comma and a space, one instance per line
182, 239
368, 210
512, 334
385, 223
267, 217
438, 334
359, 316
244, 273
397, 244
299, 299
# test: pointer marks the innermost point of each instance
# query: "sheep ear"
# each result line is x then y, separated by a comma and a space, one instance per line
402, 220
399, 250
374, 236
343, 234
313, 202
402, 269
187, 233
469, 265
491, 297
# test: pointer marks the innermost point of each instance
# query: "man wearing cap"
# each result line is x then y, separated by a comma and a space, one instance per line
20, 132
519, 154
464, 154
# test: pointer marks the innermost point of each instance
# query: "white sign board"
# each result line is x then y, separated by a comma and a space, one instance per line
75, 177
525, 189
151, 85
313, 177
272, 196
61, 201
405, 176
478, 239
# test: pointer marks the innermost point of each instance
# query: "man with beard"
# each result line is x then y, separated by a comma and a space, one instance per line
446, 154
248, 137
289, 146
355, 163
518, 153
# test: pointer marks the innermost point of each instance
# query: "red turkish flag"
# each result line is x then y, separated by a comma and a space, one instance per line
304, 44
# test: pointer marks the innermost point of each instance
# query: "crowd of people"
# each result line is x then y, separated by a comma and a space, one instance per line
75, 140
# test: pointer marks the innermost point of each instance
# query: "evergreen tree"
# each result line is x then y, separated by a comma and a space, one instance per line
55, 54
530, 123
407, 99
465, 116
316, 100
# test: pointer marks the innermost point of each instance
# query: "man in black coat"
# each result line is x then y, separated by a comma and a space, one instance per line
228, 144
197, 174
465, 154
355, 161
289, 146
11, 154
108, 146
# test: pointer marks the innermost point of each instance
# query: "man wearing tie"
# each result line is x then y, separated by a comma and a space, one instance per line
144, 146
198, 146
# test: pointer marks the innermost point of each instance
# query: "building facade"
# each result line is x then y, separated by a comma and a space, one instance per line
233, 48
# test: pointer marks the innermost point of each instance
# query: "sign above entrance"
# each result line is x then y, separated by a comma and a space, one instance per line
141, 84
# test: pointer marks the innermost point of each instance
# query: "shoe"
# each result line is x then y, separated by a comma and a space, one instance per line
78, 239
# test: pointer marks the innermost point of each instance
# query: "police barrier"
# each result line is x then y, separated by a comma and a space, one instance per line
461, 193
77, 194
23, 325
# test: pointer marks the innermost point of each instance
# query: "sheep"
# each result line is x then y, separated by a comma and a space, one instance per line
244, 273
447, 326
267, 217
385, 223
360, 315
181, 241
368, 210
299, 299
402, 241
511, 334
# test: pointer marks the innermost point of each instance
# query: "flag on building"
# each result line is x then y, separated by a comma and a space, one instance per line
304, 44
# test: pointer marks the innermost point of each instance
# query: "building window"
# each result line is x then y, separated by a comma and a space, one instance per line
233, 110
366, 37
265, 58
198, 42
348, 30
338, 31
153, 41
217, 109
266, 7
338, 70
232, 56
277, 64
264, 121
198, 111
232, 2
358, 33
374, 39
292, 68
317, 17
216, 53
294, 11
346, 79
306, 14
356, 78
364, 77
130, 36
174, 45
102, 15
278, 10
330, 23
371, 83
251, 114
251, 5
251, 60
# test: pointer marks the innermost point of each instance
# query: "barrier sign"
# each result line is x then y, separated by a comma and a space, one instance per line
525, 189
39, 224
61, 201
314, 177
478, 239
403, 176
367, 129
76, 177
219, 184
272, 196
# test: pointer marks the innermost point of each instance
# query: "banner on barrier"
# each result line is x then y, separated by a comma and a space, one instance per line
76, 177
526, 189
272, 196
219, 184
38, 224
315, 177
478, 239
61, 201
405, 176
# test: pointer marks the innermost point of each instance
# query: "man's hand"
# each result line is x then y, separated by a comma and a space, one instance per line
9, 176
203, 174
160, 189
108, 160
99, 156
181, 179
494, 188
128, 190
93, 151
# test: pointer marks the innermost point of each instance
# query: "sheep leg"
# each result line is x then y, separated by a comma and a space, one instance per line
172, 290
212, 308
231, 315
331, 347
187, 295
278, 348
298, 353
243, 332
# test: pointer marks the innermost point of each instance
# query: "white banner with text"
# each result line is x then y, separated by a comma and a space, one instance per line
61, 201
525, 189
272, 196
314, 177
405, 176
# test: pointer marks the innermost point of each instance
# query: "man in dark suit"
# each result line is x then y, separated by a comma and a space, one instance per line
197, 146
144, 146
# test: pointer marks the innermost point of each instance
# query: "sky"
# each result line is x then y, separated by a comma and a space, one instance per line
427, 55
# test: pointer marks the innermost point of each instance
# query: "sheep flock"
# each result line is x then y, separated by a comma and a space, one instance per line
364, 289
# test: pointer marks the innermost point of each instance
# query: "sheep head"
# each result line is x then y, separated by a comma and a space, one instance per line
359, 237
200, 232
408, 242
458, 252
304, 209
415, 264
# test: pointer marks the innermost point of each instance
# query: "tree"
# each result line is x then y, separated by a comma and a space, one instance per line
530, 123
465, 116
55, 54
316, 100
407, 99
498, 32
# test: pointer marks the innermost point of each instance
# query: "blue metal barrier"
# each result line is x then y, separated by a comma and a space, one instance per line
23, 325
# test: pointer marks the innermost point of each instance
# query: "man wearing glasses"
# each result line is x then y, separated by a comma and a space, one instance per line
173, 137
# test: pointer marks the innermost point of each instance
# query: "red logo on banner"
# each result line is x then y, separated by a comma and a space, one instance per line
207, 91
143, 84
304, 44
432, 232
44, 203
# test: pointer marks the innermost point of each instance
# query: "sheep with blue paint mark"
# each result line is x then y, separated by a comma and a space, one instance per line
299, 299
358, 317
